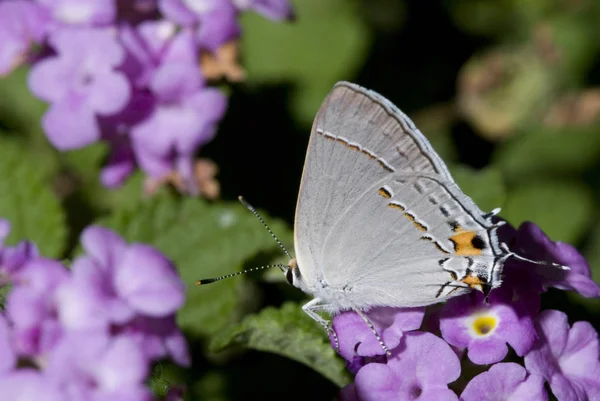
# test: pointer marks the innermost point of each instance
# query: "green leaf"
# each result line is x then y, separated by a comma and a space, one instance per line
548, 151
563, 209
204, 240
27, 200
485, 187
21, 113
287, 331
18, 107
592, 252
326, 43
85, 164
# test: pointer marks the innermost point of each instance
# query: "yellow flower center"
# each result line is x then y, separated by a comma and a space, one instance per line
484, 324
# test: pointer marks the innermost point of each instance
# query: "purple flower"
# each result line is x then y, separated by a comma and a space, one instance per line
12, 259
115, 130
420, 368
95, 365
568, 358
531, 242
8, 357
184, 113
90, 332
29, 384
159, 338
356, 338
81, 83
273, 9
467, 322
184, 120
115, 282
31, 306
218, 27
21, 24
505, 381
215, 22
132, 289
81, 12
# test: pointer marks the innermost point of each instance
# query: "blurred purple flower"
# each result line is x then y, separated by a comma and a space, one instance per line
568, 358
81, 83
531, 242
31, 306
159, 338
8, 357
420, 368
121, 72
90, 332
184, 120
484, 329
505, 381
184, 112
150, 44
136, 11
12, 259
115, 130
277, 10
21, 24
95, 365
81, 12
115, 282
215, 22
29, 384
356, 338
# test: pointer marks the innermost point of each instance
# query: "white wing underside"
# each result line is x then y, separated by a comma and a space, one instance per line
346, 233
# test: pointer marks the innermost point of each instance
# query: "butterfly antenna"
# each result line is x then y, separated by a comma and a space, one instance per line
212, 280
254, 212
536, 262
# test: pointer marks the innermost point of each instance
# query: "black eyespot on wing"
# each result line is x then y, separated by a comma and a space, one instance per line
477, 242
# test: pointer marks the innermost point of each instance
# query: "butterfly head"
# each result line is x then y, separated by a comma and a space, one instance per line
292, 274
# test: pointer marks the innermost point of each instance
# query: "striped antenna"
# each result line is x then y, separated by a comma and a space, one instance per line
212, 280
254, 212
283, 248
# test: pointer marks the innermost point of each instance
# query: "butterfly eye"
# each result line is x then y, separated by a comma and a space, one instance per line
289, 275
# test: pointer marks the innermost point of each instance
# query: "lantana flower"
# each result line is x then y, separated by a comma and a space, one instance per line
478, 331
505, 381
568, 358
90, 332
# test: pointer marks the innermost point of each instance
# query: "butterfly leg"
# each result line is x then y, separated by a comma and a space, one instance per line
372, 327
311, 308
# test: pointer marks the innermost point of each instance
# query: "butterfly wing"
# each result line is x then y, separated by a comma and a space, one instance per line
360, 142
407, 241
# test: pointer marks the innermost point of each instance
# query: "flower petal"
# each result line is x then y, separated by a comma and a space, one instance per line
103, 245
71, 124
108, 93
8, 358
486, 351
506, 381
148, 281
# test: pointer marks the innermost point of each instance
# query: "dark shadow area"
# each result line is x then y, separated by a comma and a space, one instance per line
259, 149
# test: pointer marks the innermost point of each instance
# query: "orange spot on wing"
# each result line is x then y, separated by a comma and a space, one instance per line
419, 226
473, 282
370, 155
396, 206
465, 243
385, 193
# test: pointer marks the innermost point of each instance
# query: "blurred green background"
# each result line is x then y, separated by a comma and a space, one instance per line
508, 92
